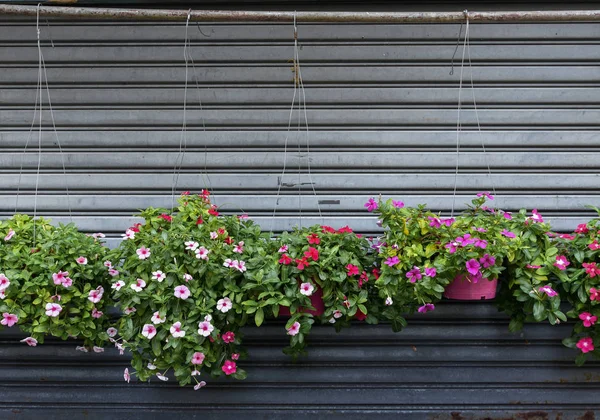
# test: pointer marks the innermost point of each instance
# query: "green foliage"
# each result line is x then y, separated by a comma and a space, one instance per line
31, 252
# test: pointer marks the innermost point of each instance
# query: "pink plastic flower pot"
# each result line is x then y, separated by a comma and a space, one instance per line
463, 289
316, 300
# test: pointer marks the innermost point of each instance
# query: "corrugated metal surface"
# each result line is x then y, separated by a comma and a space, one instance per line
382, 113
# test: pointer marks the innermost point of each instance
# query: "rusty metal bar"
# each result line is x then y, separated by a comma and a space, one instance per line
305, 17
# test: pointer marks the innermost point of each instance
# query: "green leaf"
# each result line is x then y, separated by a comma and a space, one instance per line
259, 317
538, 311
156, 347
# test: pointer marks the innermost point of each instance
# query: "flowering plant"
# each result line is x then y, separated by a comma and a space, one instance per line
421, 253
180, 284
310, 263
52, 282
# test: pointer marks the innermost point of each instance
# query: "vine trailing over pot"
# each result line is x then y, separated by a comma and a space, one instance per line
53, 282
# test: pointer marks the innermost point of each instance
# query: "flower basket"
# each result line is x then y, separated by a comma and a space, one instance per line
463, 289
316, 300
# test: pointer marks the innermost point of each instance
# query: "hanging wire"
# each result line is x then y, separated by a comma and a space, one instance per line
183, 137
37, 178
477, 119
455, 50
287, 134
462, 66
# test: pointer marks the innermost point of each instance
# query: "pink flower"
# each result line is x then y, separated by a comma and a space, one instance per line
480, 243
465, 240
191, 245
205, 328
392, 261
53, 309
239, 265
536, 217
414, 274
371, 205
108, 264
138, 285
594, 294
508, 234
214, 235
112, 272
149, 331
535, 267
283, 249
585, 345
561, 262
426, 308
594, 246
9, 319
397, 204
487, 261
473, 266
10, 234
486, 194
98, 349
67, 282
98, 235
30, 341
112, 331
4, 282
82, 260
235, 356
337, 314
306, 289
224, 304
81, 349
582, 228
96, 313
126, 375
229, 367
548, 290
352, 270
239, 248
294, 329
176, 330
95, 296
143, 253
228, 337
202, 253
60, 277
588, 319
117, 286
199, 385
129, 310
228, 263
156, 318
182, 292
2, 295
197, 358
187, 277
430, 271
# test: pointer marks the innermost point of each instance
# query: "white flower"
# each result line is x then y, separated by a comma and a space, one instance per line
214, 235
10, 234
129, 234
159, 276
98, 349
239, 248
117, 286
208, 318
143, 253
205, 328
98, 235
191, 245
151, 366
108, 264
182, 292
112, 331
162, 377
228, 263
129, 310
53, 309
199, 385
81, 348
4, 282
332, 320
138, 285
30, 341
202, 253
187, 277
149, 331
337, 314
389, 301
224, 305
2, 294
306, 289
156, 319
239, 265
126, 375
176, 330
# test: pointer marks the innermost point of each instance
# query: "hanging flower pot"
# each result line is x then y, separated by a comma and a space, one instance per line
463, 288
316, 300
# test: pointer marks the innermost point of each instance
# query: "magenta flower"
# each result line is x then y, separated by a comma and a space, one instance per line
228, 337
9, 319
487, 261
371, 205
486, 194
283, 249
294, 329
585, 345
473, 266
426, 308
30, 341
582, 228
229, 367
452, 247
430, 271
480, 243
434, 222
474, 278
547, 289
507, 215
536, 217
448, 222
392, 261
535, 267
588, 319
397, 204
414, 274
198, 358
594, 294
235, 356
561, 262
239, 248
482, 230
465, 240
182, 292
508, 234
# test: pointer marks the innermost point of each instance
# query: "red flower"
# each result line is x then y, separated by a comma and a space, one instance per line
166, 217
352, 270
185, 193
594, 294
345, 229
213, 211
228, 337
594, 245
591, 269
136, 228
375, 273
360, 315
229, 240
312, 253
204, 193
302, 264
285, 260
221, 231
327, 229
582, 228
199, 221
313, 238
363, 279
